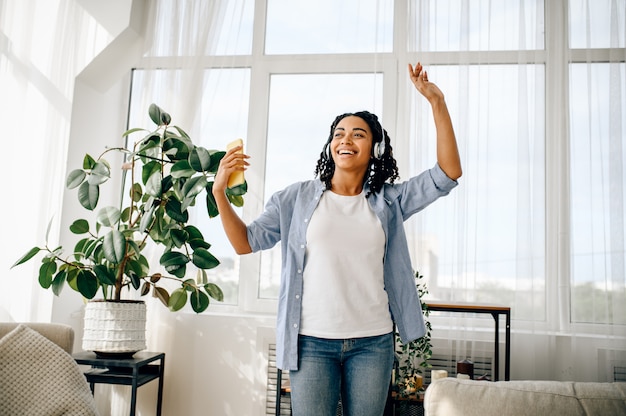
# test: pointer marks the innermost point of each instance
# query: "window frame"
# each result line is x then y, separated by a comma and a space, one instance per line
556, 56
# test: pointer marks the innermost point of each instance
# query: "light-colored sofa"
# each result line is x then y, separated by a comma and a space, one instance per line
38, 376
61, 334
456, 397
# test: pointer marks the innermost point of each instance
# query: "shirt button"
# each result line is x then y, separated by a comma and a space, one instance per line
297, 296
299, 271
295, 325
306, 220
301, 245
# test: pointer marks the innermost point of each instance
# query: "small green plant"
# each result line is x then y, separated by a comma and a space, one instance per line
413, 357
168, 173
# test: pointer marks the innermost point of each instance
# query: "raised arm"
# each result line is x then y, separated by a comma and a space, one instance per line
447, 150
234, 226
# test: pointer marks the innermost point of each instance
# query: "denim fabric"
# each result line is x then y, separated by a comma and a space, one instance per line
285, 220
359, 368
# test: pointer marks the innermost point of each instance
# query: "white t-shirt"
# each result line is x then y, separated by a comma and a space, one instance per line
343, 294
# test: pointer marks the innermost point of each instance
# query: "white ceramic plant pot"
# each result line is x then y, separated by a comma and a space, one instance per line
115, 328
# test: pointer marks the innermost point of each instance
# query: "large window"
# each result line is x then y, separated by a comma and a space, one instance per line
537, 96
597, 108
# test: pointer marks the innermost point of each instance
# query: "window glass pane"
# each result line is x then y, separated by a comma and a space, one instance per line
485, 241
222, 117
475, 25
598, 176
302, 108
327, 26
597, 24
187, 28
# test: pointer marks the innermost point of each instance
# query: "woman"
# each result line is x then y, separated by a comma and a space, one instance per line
346, 272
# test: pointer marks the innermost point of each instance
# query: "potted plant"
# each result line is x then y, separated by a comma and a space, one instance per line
168, 174
412, 358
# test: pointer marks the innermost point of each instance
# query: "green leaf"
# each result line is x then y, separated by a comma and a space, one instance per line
238, 190
29, 255
204, 260
199, 301
135, 281
136, 192
108, 216
151, 141
72, 272
182, 169
75, 178
46, 270
182, 133
58, 282
196, 239
211, 205
80, 227
178, 299
87, 283
104, 274
156, 114
88, 195
214, 291
178, 271
167, 183
133, 130
175, 148
194, 186
216, 157
200, 159
99, 174
236, 200
149, 169
190, 285
175, 212
114, 246
153, 185
173, 259
80, 249
134, 270
91, 244
146, 219
179, 237
88, 162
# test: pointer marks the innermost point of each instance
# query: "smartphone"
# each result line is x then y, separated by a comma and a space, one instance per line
236, 178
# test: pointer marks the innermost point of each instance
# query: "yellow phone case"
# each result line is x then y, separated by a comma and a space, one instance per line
236, 178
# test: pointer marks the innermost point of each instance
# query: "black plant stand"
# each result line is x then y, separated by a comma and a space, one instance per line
135, 372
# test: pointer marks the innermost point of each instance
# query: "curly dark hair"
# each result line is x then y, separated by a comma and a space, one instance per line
381, 170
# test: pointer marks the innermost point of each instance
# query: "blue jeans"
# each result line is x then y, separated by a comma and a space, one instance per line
357, 370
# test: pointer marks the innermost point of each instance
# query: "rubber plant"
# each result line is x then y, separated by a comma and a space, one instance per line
168, 174
412, 358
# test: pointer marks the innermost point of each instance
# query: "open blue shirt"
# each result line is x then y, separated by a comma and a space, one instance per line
285, 219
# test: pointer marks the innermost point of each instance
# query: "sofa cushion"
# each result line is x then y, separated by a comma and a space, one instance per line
39, 378
451, 396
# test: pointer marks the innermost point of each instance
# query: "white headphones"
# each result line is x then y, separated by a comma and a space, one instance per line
379, 149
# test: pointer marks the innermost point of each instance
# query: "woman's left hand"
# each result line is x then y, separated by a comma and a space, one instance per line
419, 77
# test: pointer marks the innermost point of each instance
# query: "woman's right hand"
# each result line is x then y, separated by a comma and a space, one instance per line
231, 162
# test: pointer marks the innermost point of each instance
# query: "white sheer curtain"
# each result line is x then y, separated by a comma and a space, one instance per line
43, 46
499, 237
